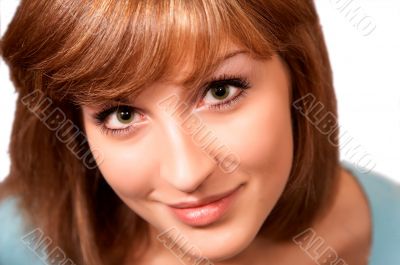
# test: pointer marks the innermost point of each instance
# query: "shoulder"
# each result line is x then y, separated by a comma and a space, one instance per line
12, 230
383, 196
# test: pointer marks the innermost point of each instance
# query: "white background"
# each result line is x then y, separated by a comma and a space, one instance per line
365, 66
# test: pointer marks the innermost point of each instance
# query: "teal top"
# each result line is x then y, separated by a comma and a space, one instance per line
20, 244
384, 201
14, 250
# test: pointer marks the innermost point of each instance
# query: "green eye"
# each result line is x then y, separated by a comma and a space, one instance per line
124, 115
220, 92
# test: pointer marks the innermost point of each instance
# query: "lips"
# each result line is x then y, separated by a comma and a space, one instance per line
206, 211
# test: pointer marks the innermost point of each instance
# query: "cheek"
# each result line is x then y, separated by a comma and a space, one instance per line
127, 170
269, 146
261, 137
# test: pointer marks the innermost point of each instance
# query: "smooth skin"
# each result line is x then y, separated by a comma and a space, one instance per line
159, 164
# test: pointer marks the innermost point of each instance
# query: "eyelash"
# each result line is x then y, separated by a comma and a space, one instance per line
232, 80
236, 81
101, 117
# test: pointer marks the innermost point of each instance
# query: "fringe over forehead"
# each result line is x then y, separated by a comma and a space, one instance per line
100, 50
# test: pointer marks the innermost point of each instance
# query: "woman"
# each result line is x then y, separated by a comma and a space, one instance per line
162, 132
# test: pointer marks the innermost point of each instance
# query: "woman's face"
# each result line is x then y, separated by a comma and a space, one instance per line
156, 162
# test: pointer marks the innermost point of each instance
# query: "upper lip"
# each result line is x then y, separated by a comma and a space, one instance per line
203, 201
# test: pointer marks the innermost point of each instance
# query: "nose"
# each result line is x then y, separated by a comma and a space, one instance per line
185, 164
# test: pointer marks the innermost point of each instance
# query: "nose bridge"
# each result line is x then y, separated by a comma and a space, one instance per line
184, 164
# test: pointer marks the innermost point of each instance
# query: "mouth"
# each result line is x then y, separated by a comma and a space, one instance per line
207, 211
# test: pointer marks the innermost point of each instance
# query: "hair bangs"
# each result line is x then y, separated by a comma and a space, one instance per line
117, 49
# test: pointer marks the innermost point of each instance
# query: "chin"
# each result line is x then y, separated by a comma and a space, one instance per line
223, 245
225, 252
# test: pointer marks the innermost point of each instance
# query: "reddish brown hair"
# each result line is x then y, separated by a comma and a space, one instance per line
78, 52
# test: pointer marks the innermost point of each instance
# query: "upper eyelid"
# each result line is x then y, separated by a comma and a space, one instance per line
107, 110
223, 78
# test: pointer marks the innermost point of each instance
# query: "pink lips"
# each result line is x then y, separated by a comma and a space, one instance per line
204, 213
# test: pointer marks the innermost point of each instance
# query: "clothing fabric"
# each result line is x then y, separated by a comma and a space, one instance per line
384, 201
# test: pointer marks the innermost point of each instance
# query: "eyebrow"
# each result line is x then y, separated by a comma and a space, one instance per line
230, 55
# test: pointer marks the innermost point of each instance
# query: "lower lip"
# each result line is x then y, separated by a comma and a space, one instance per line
206, 214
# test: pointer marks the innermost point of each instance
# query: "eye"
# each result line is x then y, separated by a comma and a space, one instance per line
119, 119
217, 94
224, 92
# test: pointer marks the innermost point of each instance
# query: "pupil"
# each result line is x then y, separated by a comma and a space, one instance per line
124, 115
219, 92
